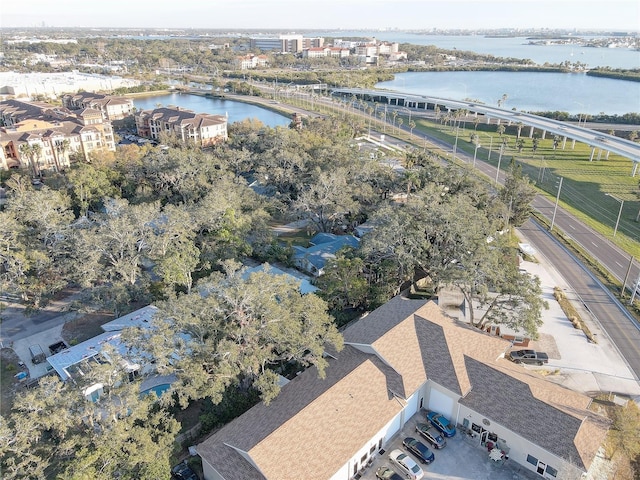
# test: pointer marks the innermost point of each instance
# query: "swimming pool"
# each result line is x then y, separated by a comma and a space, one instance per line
158, 389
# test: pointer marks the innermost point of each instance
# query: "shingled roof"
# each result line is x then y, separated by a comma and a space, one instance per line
319, 423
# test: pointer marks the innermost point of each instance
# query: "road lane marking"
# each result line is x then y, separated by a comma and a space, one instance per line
572, 226
594, 244
618, 264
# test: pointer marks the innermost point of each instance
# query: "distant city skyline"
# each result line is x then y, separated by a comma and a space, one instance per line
327, 14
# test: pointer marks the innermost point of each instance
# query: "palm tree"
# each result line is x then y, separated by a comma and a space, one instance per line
535, 141
501, 128
32, 154
394, 114
412, 178
437, 111
412, 125
633, 135
383, 118
60, 148
520, 126
400, 122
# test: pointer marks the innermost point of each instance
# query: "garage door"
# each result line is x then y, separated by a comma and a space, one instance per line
440, 403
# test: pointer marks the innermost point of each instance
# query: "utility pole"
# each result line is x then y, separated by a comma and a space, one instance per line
553, 219
626, 277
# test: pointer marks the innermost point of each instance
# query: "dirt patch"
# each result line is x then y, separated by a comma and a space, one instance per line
547, 344
9, 367
85, 327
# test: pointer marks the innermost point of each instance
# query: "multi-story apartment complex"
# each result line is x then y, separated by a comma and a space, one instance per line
112, 108
318, 52
201, 129
247, 62
43, 137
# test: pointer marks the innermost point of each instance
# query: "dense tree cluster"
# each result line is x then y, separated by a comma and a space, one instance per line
169, 226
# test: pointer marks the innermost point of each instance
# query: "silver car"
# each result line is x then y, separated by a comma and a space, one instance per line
406, 464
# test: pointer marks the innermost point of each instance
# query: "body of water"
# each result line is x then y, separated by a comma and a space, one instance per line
515, 47
526, 91
236, 111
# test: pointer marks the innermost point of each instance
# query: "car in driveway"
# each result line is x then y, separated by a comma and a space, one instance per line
528, 356
182, 471
431, 435
419, 450
442, 423
406, 464
385, 473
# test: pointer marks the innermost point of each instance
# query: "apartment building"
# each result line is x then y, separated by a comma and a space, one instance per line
112, 108
319, 52
248, 62
201, 129
43, 137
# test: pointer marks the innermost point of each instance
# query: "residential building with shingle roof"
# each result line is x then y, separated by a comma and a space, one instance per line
405, 356
42, 137
324, 247
111, 107
202, 129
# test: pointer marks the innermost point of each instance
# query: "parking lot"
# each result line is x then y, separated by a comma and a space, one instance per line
462, 458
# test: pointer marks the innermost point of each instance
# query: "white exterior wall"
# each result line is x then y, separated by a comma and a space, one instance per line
519, 448
389, 430
210, 473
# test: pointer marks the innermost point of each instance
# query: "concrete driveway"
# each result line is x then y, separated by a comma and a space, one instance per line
462, 458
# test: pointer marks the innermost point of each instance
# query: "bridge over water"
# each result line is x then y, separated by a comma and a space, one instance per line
597, 140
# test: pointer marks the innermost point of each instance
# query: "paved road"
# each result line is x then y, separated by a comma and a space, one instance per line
623, 330
16, 325
619, 325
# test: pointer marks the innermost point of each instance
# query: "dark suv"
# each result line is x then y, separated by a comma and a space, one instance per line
431, 435
182, 471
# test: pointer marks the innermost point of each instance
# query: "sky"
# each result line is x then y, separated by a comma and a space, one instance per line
325, 14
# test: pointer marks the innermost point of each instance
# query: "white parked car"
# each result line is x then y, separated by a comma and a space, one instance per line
406, 464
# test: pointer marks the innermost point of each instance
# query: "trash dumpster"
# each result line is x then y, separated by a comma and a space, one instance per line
37, 354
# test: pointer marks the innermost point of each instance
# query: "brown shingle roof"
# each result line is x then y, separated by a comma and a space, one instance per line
322, 423
319, 423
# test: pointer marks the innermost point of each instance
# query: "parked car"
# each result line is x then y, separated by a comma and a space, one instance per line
431, 435
528, 356
182, 471
419, 450
441, 423
385, 473
406, 465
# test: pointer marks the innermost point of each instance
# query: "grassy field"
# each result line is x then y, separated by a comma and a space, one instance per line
592, 190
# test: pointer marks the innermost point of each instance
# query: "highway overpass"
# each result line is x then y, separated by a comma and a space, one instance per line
596, 140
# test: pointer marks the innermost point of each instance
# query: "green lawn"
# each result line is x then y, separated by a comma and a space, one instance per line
591, 190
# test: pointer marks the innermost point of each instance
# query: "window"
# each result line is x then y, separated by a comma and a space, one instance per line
552, 471
372, 449
363, 460
532, 460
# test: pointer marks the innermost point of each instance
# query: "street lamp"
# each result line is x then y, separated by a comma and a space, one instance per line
475, 152
490, 147
615, 230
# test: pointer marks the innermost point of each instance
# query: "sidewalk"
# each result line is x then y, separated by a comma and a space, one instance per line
583, 366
